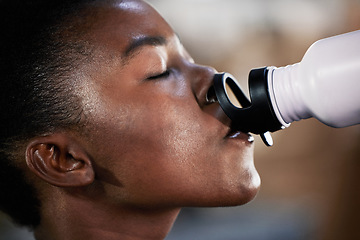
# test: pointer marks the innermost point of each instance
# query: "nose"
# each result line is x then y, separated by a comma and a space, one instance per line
201, 81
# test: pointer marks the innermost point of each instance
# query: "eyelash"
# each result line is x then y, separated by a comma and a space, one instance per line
161, 75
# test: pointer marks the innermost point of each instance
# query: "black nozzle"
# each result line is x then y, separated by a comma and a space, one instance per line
255, 116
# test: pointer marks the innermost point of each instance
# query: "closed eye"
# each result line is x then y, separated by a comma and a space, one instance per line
161, 75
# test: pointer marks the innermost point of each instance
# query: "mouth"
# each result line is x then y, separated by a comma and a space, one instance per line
232, 133
235, 134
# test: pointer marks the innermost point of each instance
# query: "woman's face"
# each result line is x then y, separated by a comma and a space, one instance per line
155, 141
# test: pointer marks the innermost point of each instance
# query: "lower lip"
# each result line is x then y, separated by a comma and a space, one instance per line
240, 135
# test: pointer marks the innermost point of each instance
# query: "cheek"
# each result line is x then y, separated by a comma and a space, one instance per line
169, 152
160, 133
171, 137
182, 135
163, 151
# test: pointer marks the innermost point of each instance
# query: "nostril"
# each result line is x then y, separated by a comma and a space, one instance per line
211, 96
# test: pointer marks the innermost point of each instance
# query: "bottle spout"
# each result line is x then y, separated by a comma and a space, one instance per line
255, 116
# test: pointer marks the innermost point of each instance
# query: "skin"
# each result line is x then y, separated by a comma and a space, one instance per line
153, 144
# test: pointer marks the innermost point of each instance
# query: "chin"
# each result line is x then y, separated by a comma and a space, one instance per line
249, 193
253, 188
246, 192
236, 195
250, 186
245, 195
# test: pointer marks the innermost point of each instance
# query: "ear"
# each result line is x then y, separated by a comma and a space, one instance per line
59, 160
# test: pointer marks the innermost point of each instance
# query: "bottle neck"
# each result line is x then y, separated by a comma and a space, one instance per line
285, 94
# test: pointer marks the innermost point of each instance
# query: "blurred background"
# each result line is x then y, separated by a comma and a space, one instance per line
311, 176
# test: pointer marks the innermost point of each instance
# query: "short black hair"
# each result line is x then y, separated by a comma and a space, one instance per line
37, 96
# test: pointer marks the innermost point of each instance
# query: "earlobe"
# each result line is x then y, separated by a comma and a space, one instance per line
59, 160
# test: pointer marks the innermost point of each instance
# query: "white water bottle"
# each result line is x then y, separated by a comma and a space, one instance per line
324, 85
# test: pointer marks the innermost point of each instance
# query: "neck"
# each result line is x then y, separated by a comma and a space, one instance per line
72, 218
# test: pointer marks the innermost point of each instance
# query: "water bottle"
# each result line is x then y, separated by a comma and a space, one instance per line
325, 85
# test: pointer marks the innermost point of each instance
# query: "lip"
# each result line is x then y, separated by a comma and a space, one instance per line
233, 134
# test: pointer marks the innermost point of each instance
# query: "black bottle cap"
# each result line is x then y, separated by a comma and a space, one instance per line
255, 116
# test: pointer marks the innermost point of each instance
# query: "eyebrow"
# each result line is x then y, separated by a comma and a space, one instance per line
143, 41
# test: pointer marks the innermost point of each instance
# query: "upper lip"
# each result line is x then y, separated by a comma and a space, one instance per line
231, 132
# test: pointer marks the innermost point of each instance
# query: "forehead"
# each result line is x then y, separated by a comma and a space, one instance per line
120, 23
